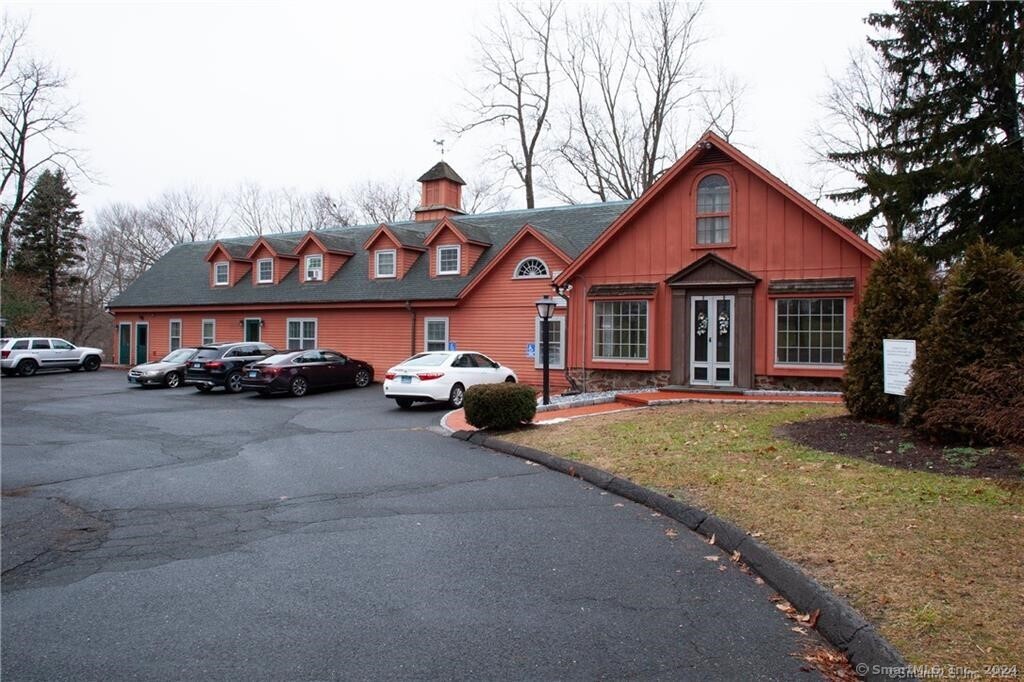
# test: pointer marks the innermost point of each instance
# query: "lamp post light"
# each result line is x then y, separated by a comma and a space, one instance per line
545, 307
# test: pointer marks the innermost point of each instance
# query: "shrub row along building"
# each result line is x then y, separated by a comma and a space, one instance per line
719, 276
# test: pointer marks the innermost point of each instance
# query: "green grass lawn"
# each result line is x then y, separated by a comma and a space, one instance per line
935, 561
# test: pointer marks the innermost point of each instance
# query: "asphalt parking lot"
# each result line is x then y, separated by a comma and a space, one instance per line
168, 534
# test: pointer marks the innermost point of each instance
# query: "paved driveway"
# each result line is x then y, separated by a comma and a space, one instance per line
159, 534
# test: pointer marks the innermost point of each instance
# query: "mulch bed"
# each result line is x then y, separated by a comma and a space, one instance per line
896, 446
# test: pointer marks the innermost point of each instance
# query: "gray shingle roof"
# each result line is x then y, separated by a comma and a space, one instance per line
441, 171
181, 276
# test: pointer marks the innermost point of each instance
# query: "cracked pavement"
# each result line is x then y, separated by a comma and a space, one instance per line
168, 534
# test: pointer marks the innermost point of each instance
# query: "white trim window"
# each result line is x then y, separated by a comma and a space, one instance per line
314, 267
713, 203
221, 273
174, 334
449, 259
810, 331
385, 263
556, 343
265, 271
531, 268
620, 331
209, 332
301, 333
435, 334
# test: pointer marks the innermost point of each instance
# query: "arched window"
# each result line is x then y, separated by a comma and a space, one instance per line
530, 268
713, 210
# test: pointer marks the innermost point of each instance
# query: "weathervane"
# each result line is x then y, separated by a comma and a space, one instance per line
440, 143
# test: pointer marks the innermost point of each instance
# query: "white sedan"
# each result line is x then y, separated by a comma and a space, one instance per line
442, 376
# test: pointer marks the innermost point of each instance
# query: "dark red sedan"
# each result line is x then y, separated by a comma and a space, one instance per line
298, 372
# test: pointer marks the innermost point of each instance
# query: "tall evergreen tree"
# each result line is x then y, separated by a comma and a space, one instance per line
950, 140
49, 240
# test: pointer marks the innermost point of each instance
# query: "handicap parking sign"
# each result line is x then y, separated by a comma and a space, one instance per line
531, 350
452, 346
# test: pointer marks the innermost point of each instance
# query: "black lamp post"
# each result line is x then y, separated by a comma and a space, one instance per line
545, 307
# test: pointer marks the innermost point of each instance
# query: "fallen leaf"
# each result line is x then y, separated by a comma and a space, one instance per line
759, 580
713, 557
721, 568
736, 556
619, 504
711, 540
671, 532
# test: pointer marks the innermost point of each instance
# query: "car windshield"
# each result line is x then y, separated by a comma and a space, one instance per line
207, 353
179, 355
279, 359
426, 360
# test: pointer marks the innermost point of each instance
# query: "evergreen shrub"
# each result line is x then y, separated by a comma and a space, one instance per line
972, 346
500, 406
898, 303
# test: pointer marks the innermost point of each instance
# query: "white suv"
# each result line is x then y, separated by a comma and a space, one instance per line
25, 356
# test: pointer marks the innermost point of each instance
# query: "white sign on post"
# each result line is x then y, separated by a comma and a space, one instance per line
897, 358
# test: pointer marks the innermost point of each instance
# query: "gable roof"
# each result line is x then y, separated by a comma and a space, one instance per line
466, 233
709, 143
181, 276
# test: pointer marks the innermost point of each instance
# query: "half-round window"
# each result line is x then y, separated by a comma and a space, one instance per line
713, 210
529, 268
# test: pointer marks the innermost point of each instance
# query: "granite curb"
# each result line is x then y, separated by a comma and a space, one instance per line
870, 654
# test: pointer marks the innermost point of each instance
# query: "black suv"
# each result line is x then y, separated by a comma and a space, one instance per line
220, 364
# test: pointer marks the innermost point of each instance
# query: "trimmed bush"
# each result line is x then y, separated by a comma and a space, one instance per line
500, 406
898, 303
986, 406
978, 326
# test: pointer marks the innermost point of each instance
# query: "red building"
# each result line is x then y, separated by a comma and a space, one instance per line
720, 275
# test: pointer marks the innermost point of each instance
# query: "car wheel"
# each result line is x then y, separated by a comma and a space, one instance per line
233, 384
172, 380
203, 389
298, 387
91, 364
404, 403
362, 378
27, 368
457, 396
510, 379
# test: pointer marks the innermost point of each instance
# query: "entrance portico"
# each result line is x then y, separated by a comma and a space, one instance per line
712, 325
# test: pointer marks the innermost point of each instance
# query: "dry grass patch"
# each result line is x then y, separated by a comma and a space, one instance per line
936, 561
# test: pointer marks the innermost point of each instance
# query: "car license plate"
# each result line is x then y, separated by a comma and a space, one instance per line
197, 365
406, 380
253, 373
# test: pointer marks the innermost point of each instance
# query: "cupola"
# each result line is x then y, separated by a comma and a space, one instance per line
441, 193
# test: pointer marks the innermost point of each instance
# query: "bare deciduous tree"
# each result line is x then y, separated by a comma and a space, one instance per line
187, 214
847, 131
517, 68
720, 105
35, 117
631, 71
383, 201
258, 210
484, 193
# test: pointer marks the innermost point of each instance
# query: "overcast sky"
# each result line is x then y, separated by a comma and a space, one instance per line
325, 94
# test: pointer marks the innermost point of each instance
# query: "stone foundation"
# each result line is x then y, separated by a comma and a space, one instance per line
591, 380
775, 383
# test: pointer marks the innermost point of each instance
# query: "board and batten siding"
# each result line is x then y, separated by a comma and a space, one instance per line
771, 237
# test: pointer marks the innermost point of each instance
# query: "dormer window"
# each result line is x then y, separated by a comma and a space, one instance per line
220, 273
314, 267
531, 268
449, 260
265, 271
384, 263
713, 210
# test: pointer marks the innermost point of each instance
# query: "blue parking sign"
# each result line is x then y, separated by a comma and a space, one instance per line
452, 346
531, 350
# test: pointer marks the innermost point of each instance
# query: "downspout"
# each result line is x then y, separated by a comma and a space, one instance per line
412, 328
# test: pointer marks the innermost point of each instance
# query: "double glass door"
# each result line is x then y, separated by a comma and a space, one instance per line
711, 340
